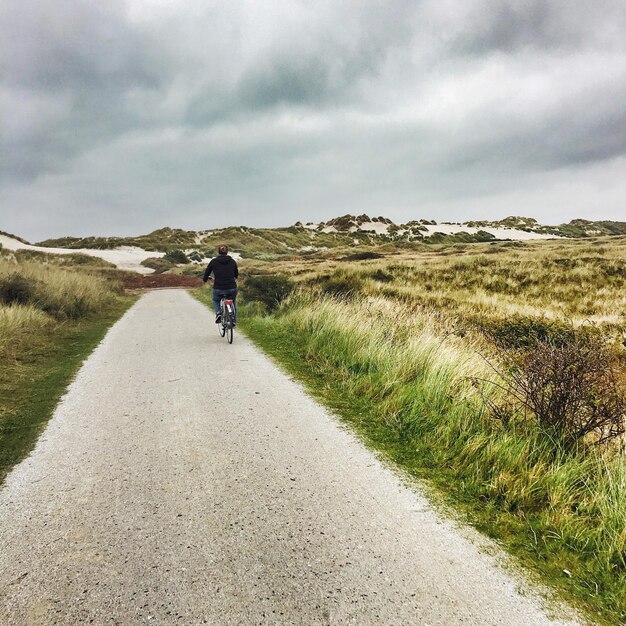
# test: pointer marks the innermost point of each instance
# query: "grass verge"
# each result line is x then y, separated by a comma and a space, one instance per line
560, 513
32, 384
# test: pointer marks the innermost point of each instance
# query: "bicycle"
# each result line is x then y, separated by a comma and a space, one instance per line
227, 311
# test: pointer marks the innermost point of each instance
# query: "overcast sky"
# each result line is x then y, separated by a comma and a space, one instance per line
121, 116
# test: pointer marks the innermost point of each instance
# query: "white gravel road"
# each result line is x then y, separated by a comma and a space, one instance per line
186, 481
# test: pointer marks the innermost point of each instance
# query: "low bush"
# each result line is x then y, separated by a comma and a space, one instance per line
270, 290
158, 264
483, 235
381, 276
521, 332
362, 256
569, 382
195, 255
176, 256
16, 289
196, 271
340, 284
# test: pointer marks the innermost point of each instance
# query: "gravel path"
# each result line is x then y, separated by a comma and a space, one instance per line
186, 481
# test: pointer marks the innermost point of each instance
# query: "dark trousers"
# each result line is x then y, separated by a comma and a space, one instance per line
229, 294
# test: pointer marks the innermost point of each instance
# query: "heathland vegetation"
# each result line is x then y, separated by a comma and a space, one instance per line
495, 371
347, 231
53, 311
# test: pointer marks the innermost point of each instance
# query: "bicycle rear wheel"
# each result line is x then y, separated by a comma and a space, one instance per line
222, 325
229, 333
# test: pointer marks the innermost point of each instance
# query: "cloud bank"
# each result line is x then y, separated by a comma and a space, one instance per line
124, 116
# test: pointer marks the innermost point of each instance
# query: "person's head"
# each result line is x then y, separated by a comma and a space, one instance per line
223, 249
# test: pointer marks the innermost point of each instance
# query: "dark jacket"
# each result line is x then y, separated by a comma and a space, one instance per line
225, 270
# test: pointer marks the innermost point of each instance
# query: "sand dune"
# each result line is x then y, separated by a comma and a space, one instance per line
124, 257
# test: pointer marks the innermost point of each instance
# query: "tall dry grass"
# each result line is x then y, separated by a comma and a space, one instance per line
36, 297
578, 281
19, 324
61, 292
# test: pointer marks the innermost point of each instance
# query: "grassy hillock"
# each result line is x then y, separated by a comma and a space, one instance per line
97, 243
163, 239
2, 232
513, 221
77, 260
578, 228
586, 228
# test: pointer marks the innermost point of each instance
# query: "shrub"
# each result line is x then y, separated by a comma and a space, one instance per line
158, 264
270, 290
571, 387
520, 332
382, 276
176, 256
361, 256
341, 285
483, 235
16, 289
196, 272
84, 260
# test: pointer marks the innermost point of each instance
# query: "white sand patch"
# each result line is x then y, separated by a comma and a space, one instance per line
313, 249
378, 227
498, 233
124, 257
520, 235
329, 229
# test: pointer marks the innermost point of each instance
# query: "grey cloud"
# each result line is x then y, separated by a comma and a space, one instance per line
319, 69
548, 144
205, 112
74, 45
508, 26
83, 53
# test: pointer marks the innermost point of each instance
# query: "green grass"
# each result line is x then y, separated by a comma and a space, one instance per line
36, 377
405, 390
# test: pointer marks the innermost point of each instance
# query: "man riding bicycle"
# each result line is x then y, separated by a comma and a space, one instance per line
224, 269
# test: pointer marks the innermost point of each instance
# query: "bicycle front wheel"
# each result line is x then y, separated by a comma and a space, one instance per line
222, 328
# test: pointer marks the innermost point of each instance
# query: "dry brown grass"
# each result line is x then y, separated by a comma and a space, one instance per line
578, 281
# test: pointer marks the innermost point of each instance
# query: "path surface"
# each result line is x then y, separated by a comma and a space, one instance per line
186, 481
